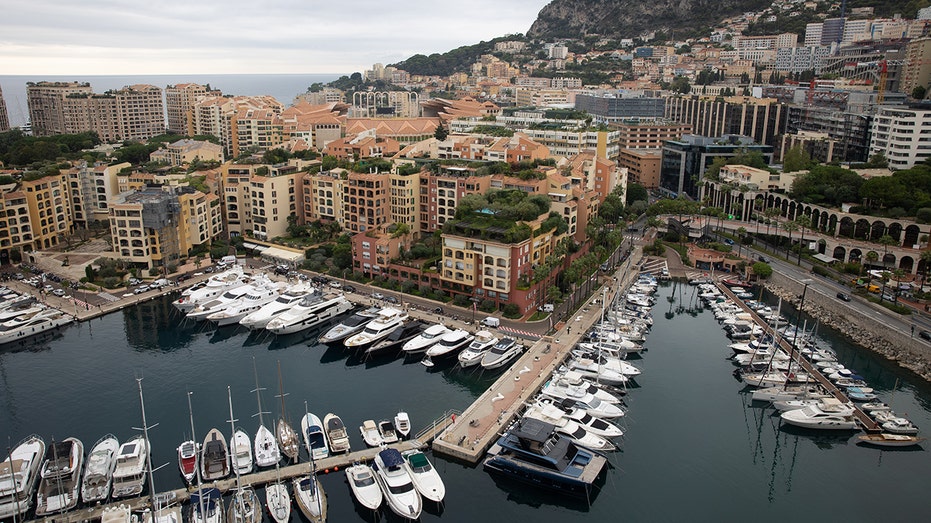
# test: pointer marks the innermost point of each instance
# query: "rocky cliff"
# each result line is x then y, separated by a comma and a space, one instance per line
632, 18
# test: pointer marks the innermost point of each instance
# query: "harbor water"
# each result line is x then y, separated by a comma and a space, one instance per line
695, 448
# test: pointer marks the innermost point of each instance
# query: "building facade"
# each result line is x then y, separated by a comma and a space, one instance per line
685, 161
902, 135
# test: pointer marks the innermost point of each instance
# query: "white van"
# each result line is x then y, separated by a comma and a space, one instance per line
491, 321
228, 260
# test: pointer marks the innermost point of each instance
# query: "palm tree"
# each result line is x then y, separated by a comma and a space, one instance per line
886, 241
871, 257
803, 222
789, 227
770, 214
741, 234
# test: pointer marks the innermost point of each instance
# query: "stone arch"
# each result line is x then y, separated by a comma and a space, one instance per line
922, 266
861, 229
846, 227
877, 229
855, 255
895, 230
822, 246
793, 210
832, 224
912, 235
906, 263
888, 259
840, 253
784, 208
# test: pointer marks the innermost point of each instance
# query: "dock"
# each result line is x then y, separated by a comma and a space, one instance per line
259, 478
868, 424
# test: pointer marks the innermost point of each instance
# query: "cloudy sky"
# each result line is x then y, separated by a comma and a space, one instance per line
235, 36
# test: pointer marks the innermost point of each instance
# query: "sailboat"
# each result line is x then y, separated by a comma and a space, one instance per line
310, 497
161, 509
277, 499
288, 441
206, 504
266, 448
244, 507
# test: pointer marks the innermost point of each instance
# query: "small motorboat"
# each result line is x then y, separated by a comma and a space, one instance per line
336, 433
215, 459
370, 433
314, 438
426, 479
387, 432
402, 424
187, 460
241, 452
363, 486
885, 439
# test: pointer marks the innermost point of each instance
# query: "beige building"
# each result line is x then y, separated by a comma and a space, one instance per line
223, 116
179, 106
759, 179
132, 113
91, 187
273, 200
186, 152
917, 71
365, 201
35, 214
322, 196
404, 199
236, 196
643, 165
46, 104
4, 117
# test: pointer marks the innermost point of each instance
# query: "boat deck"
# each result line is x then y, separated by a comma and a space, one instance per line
259, 478
868, 424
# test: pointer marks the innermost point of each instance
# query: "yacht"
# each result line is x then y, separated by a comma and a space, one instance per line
501, 353
387, 432
830, 414
215, 286
278, 501
388, 319
315, 440
583, 400
397, 338
30, 325
473, 354
370, 433
260, 318
241, 452
451, 343
533, 452
187, 460
61, 477
98, 472
244, 506
569, 428
363, 486
313, 310
214, 456
19, 473
219, 304
425, 340
402, 424
336, 433
129, 474
397, 485
594, 370
257, 297
206, 506
591, 423
426, 479
350, 326
310, 498
265, 445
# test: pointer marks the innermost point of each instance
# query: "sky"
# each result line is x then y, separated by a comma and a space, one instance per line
104, 37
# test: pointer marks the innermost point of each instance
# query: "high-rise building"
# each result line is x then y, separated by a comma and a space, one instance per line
685, 161
917, 71
46, 105
365, 201
899, 134
616, 107
131, 113
4, 117
179, 106
763, 120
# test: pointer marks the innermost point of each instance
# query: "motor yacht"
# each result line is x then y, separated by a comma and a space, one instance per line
336, 433
531, 451
473, 354
260, 318
425, 340
315, 440
370, 434
241, 452
569, 428
313, 310
350, 326
310, 498
583, 400
426, 479
374, 331
396, 338
501, 353
130, 473
98, 471
187, 460
32, 324
397, 485
259, 295
450, 343
593, 370
219, 304
591, 423
402, 424
214, 458
830, 414
363, 486
61, 477
215, 286
19, 474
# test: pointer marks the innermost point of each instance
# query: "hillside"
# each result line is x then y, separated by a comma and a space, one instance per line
631, 18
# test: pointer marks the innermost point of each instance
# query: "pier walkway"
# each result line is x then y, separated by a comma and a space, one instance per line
866, 422
262, 477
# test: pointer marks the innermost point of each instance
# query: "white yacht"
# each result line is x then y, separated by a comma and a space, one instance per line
591, 423
336, 433
402, 424
350, 325
451, 343
396, 484
583, 400
501, 353
313, 310
130, 472
473, 354
592, 369
426, 479
426, 339
98, 472
218, 304
388, 319
23, 326
315, 440
363, 486
215, 286
829, 414
257, 297
569, 428
370, 434
260, 318
241, 452
61, 477
19, 474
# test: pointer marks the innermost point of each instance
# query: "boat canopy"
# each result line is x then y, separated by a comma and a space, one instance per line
391, 458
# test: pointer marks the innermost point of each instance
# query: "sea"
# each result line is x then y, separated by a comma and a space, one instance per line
696, 448
284, 87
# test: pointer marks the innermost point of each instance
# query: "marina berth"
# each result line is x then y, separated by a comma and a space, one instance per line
425, 340
397, 484
473, 354
310, 498
214, 287
188, 460
396, 338
257, 296
350, 326
426, 479
98, 471
241, 452
313, 310
19, 475
61, 477
315, 440
377, 329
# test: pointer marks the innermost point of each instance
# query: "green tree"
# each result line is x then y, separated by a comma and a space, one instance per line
796, 159
680, 85
763, 270
789, 227
440, 133
803, 223
919, 92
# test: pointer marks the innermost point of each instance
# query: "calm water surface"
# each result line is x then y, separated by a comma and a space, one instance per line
695, 448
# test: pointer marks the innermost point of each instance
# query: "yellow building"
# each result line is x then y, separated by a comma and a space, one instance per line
35, 214
236, 197
404, 199
274, 199
322, 196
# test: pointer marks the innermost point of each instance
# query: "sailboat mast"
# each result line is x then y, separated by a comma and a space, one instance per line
258, 394
200, 497
148, 448
9, 453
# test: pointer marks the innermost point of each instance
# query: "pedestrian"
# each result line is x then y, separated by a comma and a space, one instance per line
913, 331
569, 329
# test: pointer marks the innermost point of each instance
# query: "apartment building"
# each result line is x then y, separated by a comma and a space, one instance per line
917, 71
543, 97
363, 146
440, 194
568, 142
404, 200
798, 59
4, 117
317, 125
45, 101
365, 201
35, 214
132, 113
327, 95
643, 165
685, 161
179, 106
373, 250
90, 188
322, 196
256, 129
186, 152
763, 120
649, 135
223, 116
273, 200
201, 218
613, 107
236, 195
902, 135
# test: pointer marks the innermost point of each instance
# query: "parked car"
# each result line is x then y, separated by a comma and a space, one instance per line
335, 284
58, 292
378, 296
140, 290
320, 280
925, 335
349, 288
391, 299
842, 296
438, 310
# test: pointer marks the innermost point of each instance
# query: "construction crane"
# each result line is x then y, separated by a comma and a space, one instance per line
883, 75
